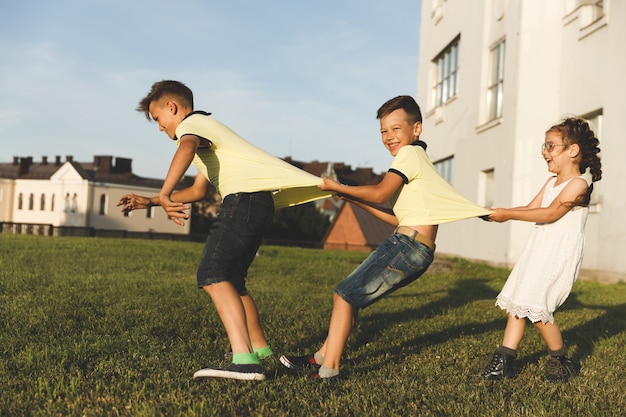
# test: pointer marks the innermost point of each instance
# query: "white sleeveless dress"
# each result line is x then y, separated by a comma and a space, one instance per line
548, 267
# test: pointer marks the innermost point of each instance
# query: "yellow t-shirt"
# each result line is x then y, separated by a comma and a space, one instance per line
426, 198
234, 165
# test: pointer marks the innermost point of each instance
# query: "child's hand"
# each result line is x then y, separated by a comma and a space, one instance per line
130, 202
328, 184
499, 215
174, 210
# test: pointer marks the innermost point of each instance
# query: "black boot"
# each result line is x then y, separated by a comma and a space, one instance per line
500, 366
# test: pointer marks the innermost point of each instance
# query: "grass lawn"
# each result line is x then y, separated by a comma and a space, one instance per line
109, 327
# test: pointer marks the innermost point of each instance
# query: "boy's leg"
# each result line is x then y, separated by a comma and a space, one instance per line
255, 330
232, 312
342, 321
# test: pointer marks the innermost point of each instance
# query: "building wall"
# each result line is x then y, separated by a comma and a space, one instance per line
558, 61
67, 199
6, 200
106, 196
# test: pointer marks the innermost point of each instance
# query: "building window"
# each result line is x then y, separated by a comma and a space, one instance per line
496, 82
150, 212
42, 202
20, 202
52, 203
486, 188
74, 204
595, 123
103, 205
67, 203
590, 15
445, 79
31, 201
444, 167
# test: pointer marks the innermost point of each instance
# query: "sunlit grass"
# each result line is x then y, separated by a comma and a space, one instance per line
92, 327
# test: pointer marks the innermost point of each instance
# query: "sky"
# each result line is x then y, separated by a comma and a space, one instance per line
295, 78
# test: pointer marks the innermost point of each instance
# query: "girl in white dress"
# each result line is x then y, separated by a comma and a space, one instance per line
543, 277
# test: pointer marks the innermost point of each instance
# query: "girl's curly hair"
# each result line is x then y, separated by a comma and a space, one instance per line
576, 131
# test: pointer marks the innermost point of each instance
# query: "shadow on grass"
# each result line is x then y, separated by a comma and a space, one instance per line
465, 292
584, 336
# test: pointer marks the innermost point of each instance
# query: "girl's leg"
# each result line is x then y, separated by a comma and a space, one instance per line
551, 334
501, 362
342, 320
513, 332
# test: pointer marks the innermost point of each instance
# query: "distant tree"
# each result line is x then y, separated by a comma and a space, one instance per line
303, 222
300, 223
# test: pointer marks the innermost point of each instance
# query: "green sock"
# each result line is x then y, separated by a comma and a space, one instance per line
245, 358
263, 353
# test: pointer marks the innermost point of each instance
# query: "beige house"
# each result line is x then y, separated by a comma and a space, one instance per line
68, 193
493, 76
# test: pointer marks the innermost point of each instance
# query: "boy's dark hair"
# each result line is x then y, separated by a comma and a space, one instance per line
160, 89
406, 103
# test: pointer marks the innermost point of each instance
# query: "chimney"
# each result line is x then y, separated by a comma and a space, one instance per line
25, 164
16, 160
103, 163
69, 158
57, 160
44, 160
123, 165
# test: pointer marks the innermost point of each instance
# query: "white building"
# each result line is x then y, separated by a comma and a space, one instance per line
68, 193
494, 75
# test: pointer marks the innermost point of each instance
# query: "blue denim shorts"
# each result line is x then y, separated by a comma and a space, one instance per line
234, 239
398, 261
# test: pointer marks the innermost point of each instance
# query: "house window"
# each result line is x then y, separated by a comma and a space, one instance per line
590, 15
103, 205
445, 80
20, 202
150, 212
74, 203
444, 167
31, 201
496, 82
486, 187
42, 202
52, 203
67, 202
595, 123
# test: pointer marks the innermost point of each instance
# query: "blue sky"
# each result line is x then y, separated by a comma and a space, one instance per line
300, 79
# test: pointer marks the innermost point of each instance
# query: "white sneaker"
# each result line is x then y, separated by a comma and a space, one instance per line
247, 372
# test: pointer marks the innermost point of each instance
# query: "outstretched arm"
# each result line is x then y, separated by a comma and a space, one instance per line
380, 213
376, 194
173, 201
533, 212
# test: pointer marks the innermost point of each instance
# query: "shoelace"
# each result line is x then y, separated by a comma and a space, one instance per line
555, 367
496, 361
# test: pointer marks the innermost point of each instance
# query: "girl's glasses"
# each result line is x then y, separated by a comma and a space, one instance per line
549, 146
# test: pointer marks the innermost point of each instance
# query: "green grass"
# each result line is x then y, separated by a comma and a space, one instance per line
108, 327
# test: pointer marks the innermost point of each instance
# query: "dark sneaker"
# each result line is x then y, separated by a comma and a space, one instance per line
248, 372
297, 362
559, 368
500, 366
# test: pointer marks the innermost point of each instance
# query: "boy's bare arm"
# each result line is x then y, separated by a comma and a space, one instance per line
377, 194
